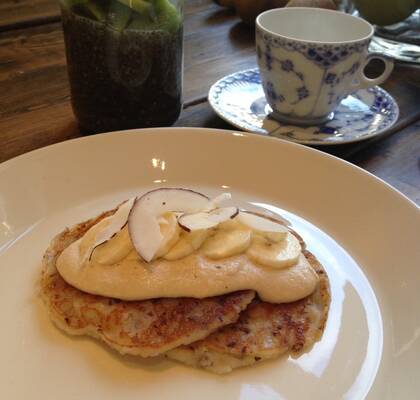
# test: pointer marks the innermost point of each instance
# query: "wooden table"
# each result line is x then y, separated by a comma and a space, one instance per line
35, 106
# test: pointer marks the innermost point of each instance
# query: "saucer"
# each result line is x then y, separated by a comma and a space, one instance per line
239, 99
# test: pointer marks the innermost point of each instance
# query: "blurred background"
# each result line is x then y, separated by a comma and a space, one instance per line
397, 22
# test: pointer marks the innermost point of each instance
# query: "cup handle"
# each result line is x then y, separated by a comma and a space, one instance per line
363, 82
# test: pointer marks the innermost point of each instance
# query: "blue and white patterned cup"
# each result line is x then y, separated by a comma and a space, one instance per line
310, 59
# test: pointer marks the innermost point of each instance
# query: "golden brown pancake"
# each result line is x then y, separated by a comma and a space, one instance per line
263, 331
145, 328
217, 333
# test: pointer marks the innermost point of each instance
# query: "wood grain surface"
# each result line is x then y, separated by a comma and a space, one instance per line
35, 105
21, 13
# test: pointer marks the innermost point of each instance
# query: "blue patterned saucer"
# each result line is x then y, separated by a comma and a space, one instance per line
239, 99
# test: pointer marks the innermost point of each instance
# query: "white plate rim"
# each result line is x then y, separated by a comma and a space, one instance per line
211, 131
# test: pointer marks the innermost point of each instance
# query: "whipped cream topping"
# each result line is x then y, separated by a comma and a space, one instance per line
213, 254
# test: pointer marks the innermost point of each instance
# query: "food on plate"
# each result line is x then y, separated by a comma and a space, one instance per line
263, 331
174, 272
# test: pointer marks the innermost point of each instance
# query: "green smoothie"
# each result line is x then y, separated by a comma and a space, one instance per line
124, 60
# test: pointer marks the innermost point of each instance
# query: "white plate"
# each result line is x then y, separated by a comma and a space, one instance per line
239, 99
363, 231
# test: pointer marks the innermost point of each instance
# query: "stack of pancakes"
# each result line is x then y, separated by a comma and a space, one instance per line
217, 333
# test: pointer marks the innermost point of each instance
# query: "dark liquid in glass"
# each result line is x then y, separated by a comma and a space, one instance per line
122, 79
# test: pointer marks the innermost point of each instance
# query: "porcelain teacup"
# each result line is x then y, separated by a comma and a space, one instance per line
310, 59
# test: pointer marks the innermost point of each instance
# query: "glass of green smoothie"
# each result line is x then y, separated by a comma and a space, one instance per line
125, 60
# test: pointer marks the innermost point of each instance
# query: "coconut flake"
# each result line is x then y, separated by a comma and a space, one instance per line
143, 221
257, 223
112, 225
206, 220
214, 203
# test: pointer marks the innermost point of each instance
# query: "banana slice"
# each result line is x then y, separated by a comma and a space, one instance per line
281, 254
170, 232
227, 243
274, 237
133, 255
187, 244
232, 224
272, 231
206, 220
115, 249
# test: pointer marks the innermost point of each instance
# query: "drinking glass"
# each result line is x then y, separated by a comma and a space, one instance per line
124, 60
